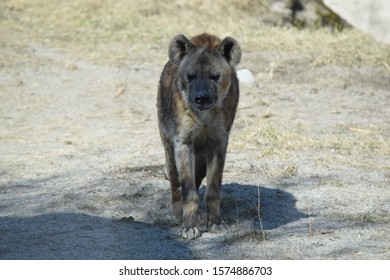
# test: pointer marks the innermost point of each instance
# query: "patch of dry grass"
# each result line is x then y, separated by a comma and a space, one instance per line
271, 139
358, 148
363, 218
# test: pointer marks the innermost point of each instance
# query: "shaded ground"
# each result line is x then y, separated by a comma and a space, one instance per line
307, 172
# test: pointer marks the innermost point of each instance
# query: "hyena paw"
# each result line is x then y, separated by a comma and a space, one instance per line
221, 228
189, 233
202, 218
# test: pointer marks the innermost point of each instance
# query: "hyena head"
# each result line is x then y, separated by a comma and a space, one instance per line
205, 65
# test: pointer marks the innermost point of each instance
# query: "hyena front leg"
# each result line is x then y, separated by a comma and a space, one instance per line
173, 177
216, 153
185, 162
200, 174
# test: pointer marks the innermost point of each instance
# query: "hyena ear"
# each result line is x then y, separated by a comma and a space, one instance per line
178, 48
230, 49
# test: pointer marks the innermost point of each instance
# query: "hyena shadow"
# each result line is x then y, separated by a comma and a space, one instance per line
77, 236
271, 207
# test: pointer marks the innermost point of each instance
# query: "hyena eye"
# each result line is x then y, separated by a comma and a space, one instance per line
214, 77
191, 77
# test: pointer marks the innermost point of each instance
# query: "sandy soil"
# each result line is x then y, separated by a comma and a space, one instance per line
81, 168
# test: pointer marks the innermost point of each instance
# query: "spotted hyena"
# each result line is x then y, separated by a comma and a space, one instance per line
197, 100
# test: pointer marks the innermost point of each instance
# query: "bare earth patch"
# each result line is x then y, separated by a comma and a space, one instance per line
81, 168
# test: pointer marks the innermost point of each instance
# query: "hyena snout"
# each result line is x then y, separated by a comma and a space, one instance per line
203, 99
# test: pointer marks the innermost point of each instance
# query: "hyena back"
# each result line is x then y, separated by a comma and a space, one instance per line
197, 101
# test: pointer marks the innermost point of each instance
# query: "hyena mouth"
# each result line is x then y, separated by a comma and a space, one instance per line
203, 107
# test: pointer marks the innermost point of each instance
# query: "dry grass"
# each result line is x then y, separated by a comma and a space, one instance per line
267, 139
356, 149
138, 31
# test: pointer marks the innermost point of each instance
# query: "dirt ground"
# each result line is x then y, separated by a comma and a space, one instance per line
307, 173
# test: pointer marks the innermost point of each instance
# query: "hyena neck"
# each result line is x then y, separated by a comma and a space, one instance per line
203, 119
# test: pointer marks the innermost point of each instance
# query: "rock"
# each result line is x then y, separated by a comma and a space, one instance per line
280, 8
370, 16
245, 77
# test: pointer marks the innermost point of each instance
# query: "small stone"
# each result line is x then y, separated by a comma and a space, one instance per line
245, 76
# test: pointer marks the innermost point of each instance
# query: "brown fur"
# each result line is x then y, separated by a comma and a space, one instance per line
197, 100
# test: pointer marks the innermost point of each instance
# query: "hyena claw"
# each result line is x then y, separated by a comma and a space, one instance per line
189, 233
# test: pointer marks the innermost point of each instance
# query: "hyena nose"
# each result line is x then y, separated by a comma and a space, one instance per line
203, 98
